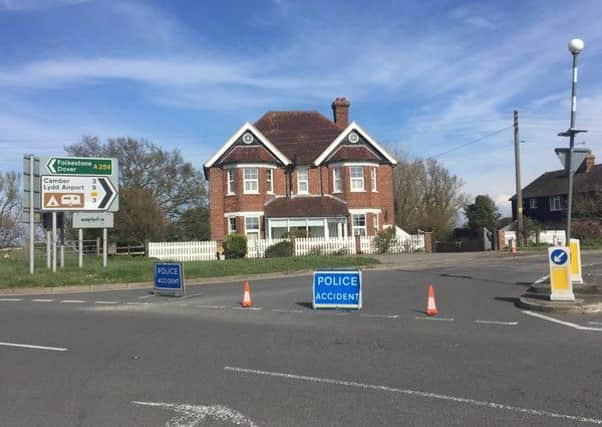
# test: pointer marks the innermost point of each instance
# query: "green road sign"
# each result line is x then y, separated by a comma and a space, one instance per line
79, 166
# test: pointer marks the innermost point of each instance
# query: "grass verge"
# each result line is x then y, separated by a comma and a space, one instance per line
14, 270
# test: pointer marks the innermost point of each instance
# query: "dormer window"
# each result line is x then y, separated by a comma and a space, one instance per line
303, 180
231, 182
251, 180
356, 174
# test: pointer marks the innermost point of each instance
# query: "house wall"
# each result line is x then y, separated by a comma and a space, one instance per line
542, 212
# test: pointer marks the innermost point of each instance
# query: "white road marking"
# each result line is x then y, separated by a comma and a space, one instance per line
591, 322
248, 308
106, 302
441, 319
562, 322
33, 347
542, 279
11, 299
428, 395
72, 301
42, 300
213, 307
281, 310
380, 316
146, 296
136, 303
193, 415
496, 322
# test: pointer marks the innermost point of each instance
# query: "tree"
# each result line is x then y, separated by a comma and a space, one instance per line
140, 217
427, 196
10, 231
482, 213
173, 185
192, 225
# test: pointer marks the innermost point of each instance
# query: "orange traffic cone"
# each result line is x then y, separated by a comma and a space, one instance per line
246, 297
431, 307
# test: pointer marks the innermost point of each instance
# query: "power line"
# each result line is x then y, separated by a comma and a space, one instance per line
470, 142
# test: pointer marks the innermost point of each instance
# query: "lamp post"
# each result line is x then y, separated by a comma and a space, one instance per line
575, 47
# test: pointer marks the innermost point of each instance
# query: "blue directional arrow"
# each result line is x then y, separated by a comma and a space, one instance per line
559, 256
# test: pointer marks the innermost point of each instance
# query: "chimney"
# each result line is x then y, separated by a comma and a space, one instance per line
340, 110
590, 161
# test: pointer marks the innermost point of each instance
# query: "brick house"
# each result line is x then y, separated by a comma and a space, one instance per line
297, 171
545, 199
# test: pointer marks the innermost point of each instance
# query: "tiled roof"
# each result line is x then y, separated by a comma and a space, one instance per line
354, 153
556, 183
308, 206
300, 135
255, 153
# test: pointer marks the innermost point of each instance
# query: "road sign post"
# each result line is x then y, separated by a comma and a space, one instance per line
337, 289
575, 256
169, 278
561, 288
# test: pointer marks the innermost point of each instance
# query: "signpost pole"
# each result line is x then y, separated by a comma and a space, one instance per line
31, 213
80, 258
62, 247
48, 250
54, 241
104, 247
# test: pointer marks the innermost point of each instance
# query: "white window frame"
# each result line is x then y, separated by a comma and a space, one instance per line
269, 181
359, 228
373, 179
231, 182
375, 222
253, 182
357, 180
532, 203
337, 181
305, 181
555, 204
252, 231
231, 220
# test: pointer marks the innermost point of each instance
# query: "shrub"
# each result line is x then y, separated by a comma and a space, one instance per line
383, 239
235, 246
280, 249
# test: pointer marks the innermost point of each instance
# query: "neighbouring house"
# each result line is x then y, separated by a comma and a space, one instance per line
545, 199
297, 171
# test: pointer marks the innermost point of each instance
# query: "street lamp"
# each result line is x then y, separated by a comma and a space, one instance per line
575, 47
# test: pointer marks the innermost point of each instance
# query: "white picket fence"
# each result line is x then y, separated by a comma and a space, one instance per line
321, 246
550, 237
183, 251
207, 250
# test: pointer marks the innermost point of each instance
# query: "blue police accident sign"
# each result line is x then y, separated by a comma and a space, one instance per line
337, 289
559, 256
169, 278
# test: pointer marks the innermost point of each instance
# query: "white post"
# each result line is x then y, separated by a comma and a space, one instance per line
31, 213
48, 249
80, 258
104, 247
62, 246
326, 234
54, 241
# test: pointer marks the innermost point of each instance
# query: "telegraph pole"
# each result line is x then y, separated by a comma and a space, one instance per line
519, 191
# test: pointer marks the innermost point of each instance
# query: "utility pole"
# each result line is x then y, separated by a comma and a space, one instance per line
519, 191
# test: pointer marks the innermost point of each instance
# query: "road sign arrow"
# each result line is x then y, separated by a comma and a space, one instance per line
110, 193
558, 259
50, 165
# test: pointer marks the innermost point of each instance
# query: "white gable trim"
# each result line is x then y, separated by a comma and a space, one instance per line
337, 141
247, 126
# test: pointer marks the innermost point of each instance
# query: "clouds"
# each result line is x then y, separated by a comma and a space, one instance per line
423, 76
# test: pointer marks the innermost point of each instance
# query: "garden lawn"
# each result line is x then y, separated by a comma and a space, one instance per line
14, 270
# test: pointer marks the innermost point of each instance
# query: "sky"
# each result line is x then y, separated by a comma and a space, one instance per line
429, 78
